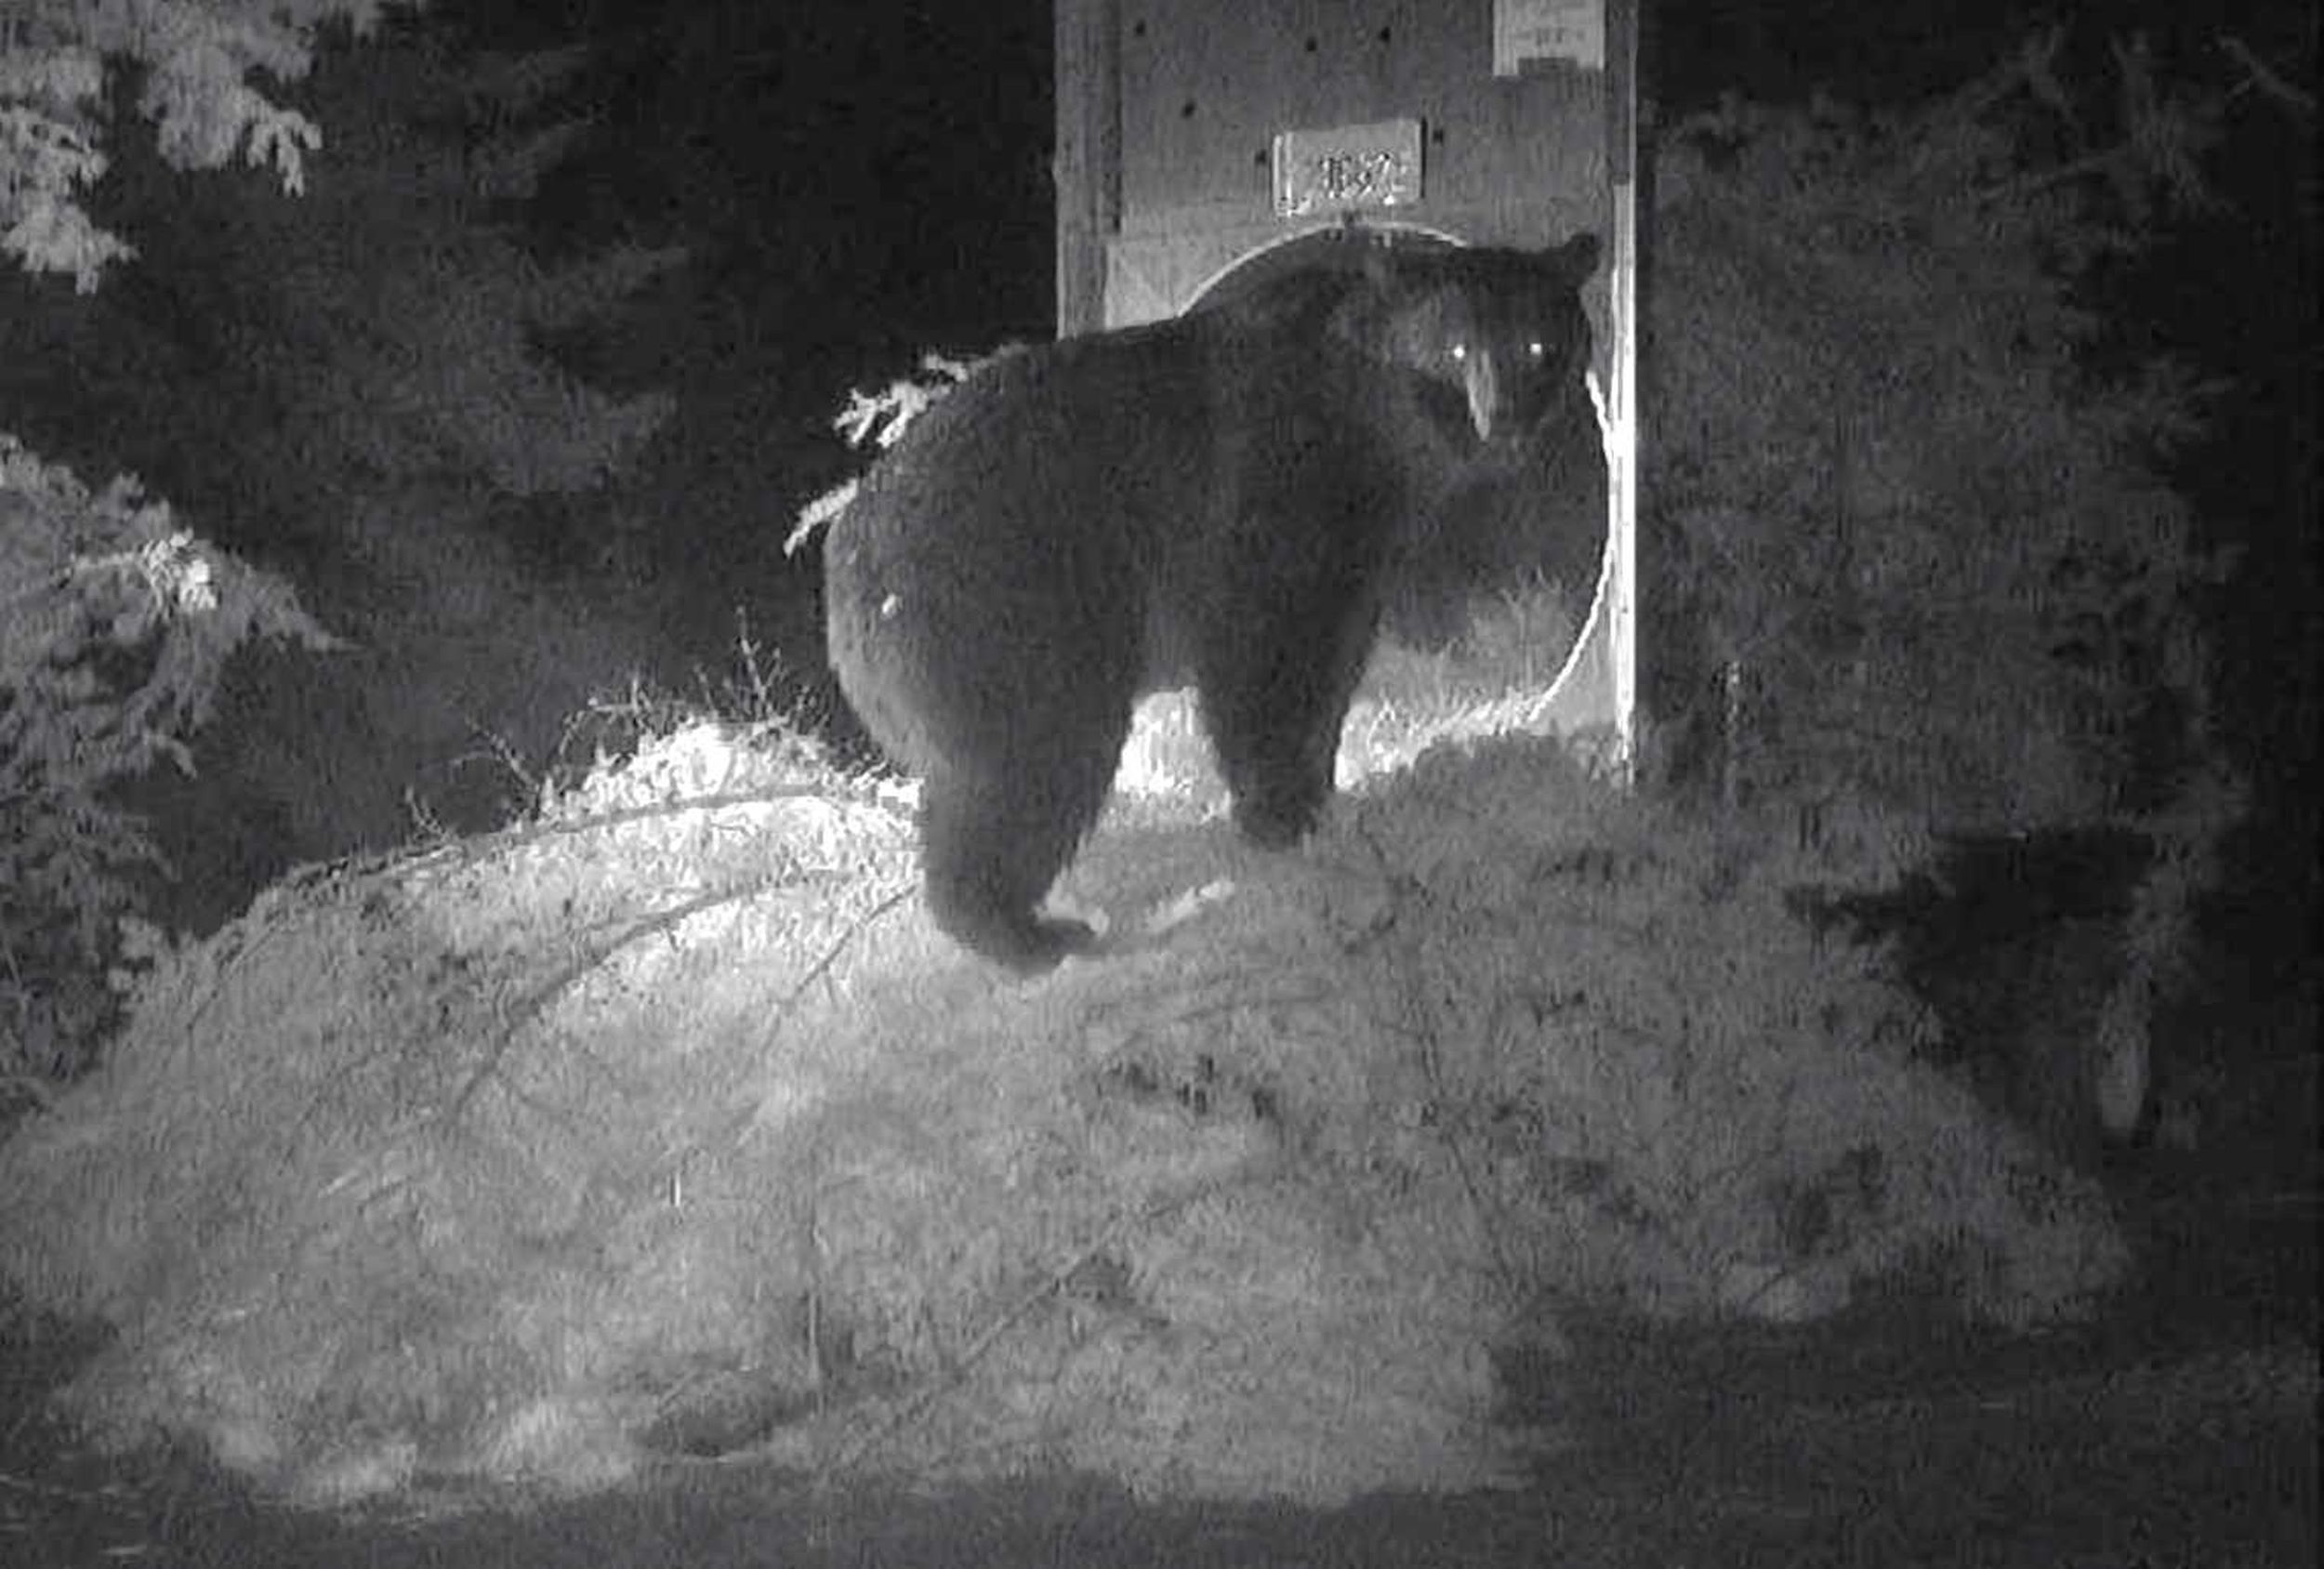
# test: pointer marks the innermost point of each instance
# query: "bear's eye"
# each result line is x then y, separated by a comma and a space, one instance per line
1536, 351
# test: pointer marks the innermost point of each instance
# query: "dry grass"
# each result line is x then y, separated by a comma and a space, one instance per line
669, 1121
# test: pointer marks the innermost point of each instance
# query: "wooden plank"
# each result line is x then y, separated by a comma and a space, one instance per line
1087, 165
1206, 83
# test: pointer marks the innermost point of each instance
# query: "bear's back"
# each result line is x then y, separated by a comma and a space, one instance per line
1035, 443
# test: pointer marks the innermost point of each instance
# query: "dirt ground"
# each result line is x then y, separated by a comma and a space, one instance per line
2180, 1432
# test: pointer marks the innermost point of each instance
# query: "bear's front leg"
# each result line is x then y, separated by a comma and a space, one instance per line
1274, 712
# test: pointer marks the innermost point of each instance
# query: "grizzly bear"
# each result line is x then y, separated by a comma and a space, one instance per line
1213, 499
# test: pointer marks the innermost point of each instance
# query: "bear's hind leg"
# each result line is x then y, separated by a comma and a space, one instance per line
988, 856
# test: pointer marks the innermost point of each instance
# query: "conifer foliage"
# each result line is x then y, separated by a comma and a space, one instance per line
116, 626
298, 373
196, 61
1916, 551
114, 623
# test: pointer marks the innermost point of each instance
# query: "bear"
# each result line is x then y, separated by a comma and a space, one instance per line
1213, 499
1540, 523
1527, 505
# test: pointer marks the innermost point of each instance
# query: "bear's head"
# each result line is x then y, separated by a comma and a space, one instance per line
1495, 339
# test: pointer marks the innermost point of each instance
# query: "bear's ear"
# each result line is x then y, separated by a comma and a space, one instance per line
1574, 260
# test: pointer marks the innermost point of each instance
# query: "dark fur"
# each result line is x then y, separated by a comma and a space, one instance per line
1212, 499
1519, 497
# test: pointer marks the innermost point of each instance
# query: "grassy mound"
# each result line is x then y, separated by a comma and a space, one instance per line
667, 1124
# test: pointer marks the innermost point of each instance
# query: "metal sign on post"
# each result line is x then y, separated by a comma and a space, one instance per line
1348, 168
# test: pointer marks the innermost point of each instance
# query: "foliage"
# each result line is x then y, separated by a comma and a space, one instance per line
196, 61
879, 420
388, 327
117, 623
1922, 553
394, 318
114, 631
286, 368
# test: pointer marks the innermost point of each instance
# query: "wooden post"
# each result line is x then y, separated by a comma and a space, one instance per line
1087, 165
